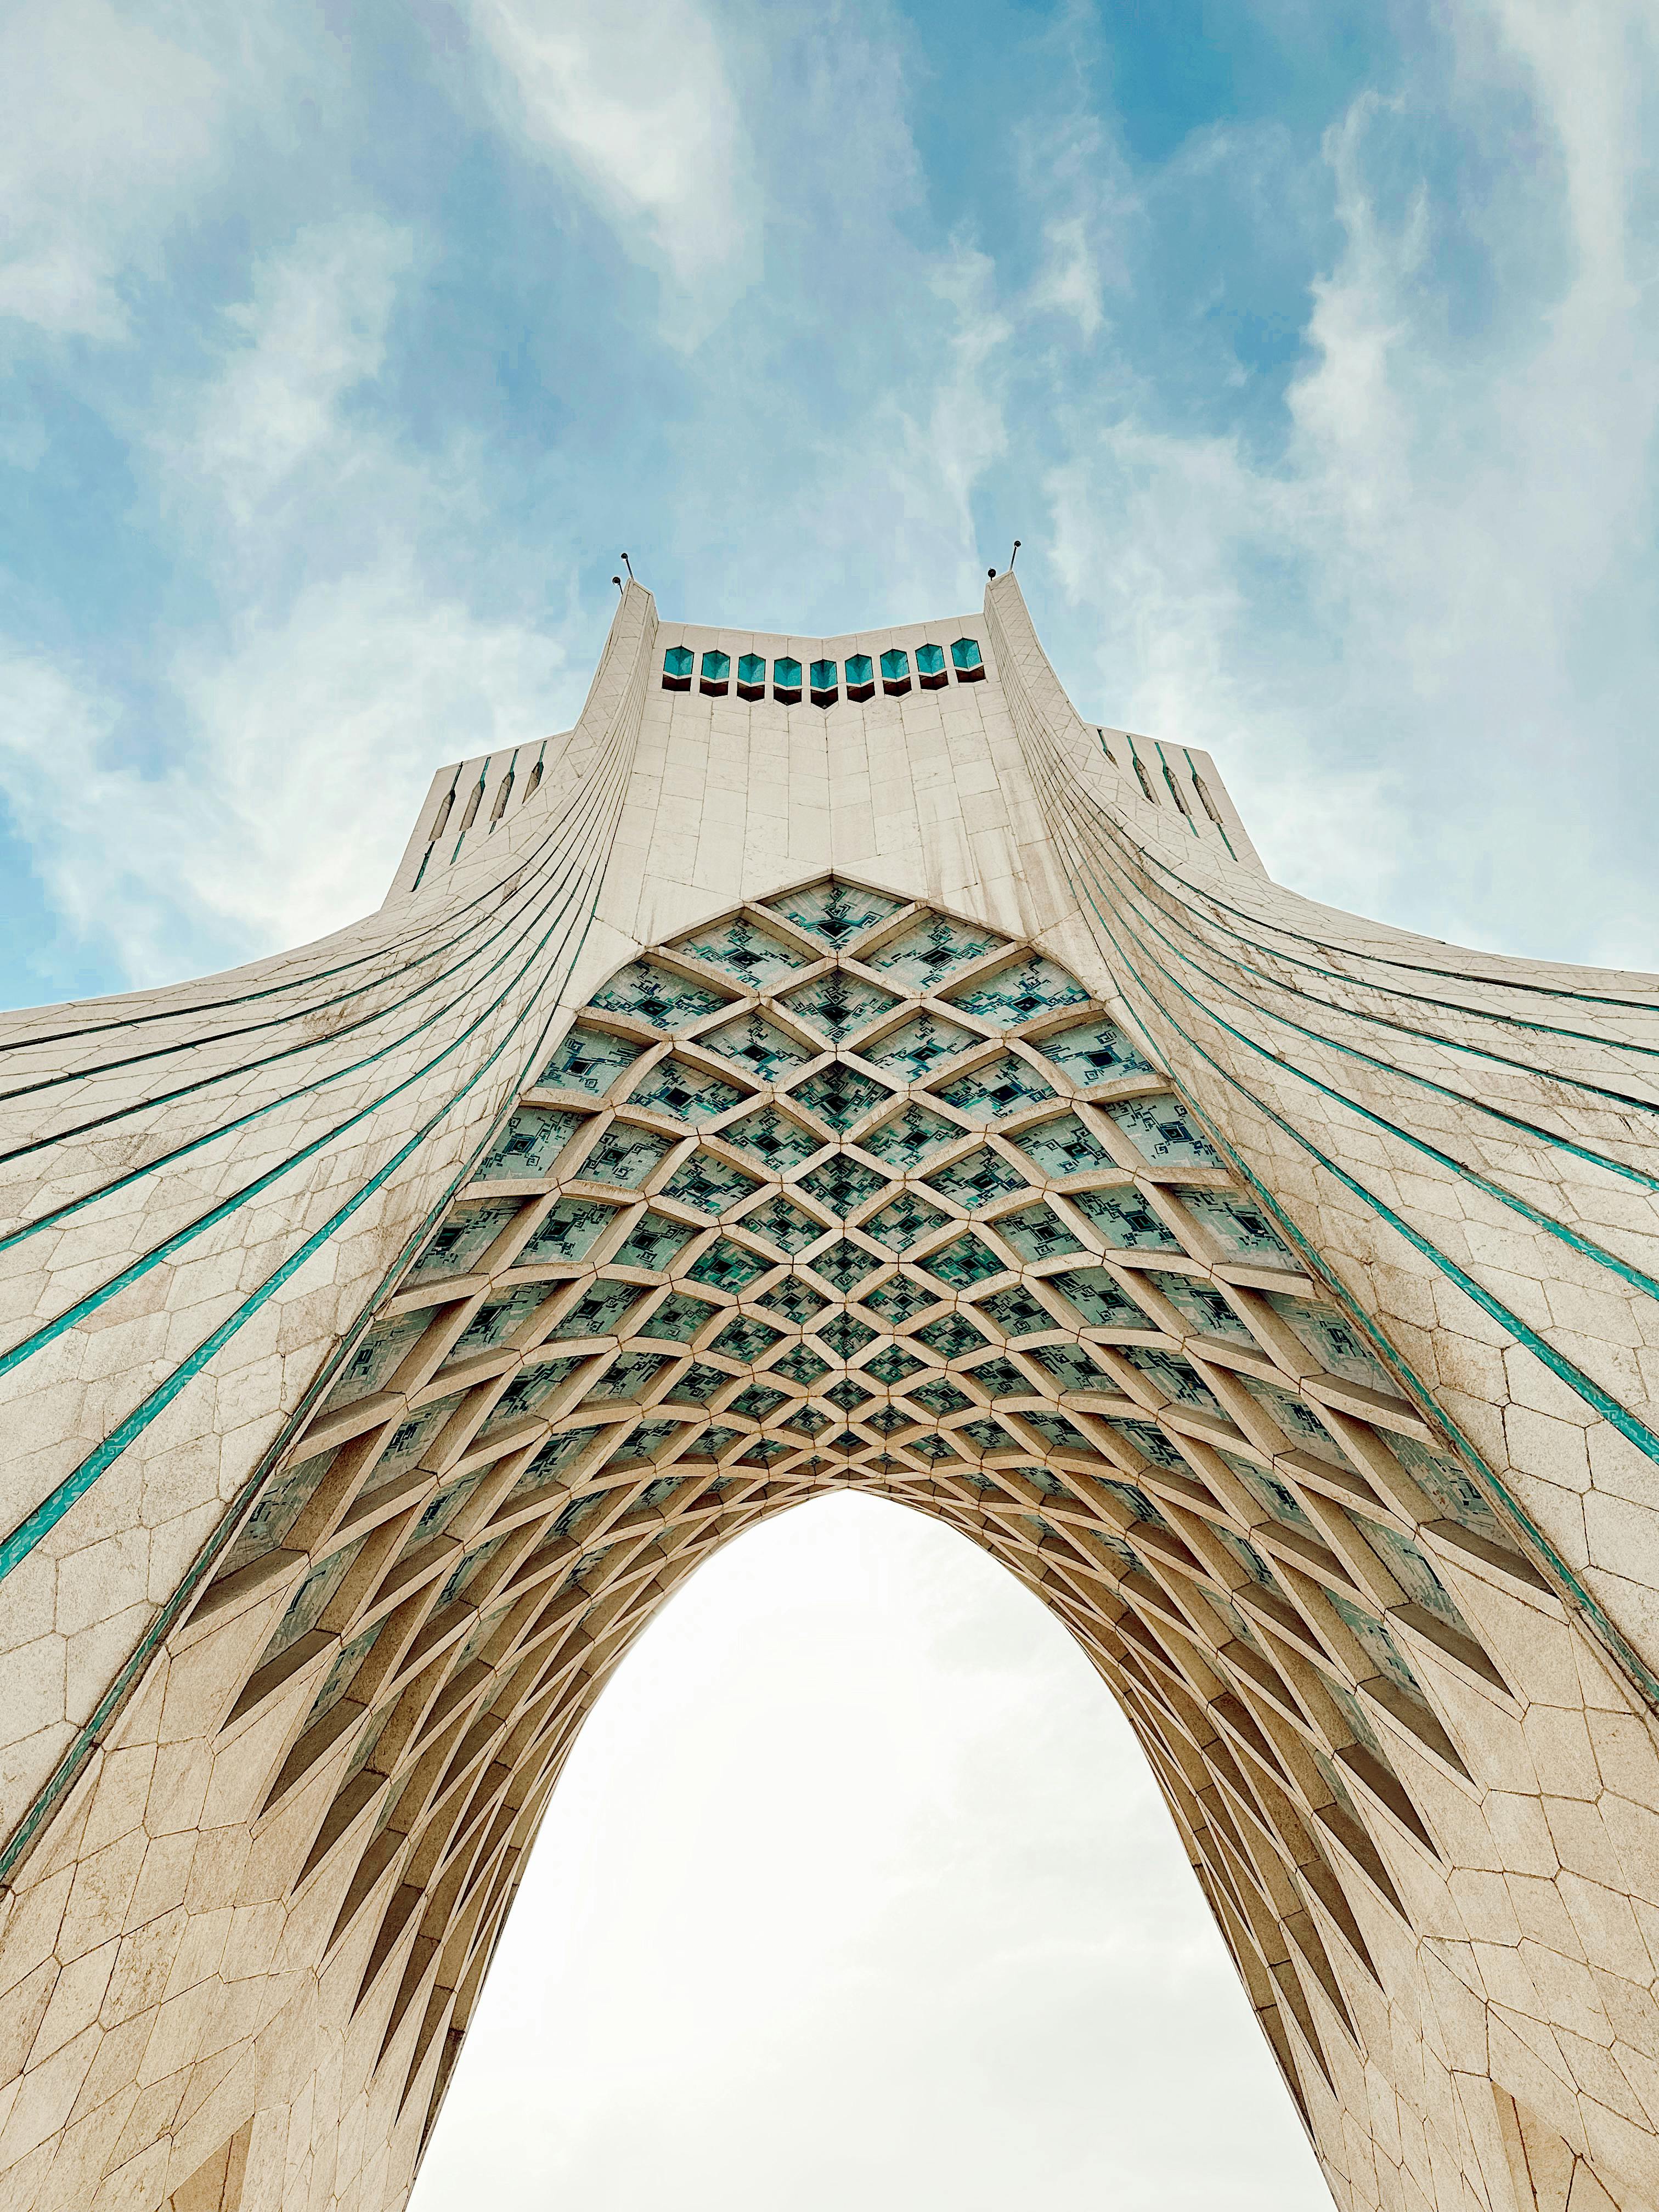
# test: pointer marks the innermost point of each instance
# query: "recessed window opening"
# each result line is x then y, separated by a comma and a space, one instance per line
825, 687
931, 671
896, 673
786, 681
967, 660
471, 813
751, 677
678, 664
715, 682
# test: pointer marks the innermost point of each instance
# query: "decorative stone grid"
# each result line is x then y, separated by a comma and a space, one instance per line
731, 1250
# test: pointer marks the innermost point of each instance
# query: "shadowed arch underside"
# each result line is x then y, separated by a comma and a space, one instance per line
740, 1098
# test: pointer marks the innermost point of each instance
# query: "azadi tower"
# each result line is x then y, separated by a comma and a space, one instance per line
832, 1064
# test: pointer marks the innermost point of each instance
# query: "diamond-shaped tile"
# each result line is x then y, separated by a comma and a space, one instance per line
836, 1004
1016, 1312
845, 1335
744, 951
899, 1300
1238, 1227
773, 1140
1020, 992
700, 1383
996, 1087
653, 1243
630, 1375
678, 1317
530, 1144
951, 1336
757, 1401
846, 1394
726, 1266
759, 1046
588, 1060
795, 1300
889, 1420
1036, 1232
931, 950
901, 1224
1063, 1147
711, 1185
463, 1237
626, 1157
1000, 1378
1163, 1133
893, 1364
844, 1263
746, 1338
910, 1137
601, 1309
842, 1183
1093, 1052
978, 1179
918, 1047
835, 911
802, 1365
656, 994
840, 1095
690, 1094
784, 1225
941, 1397
965, 1262
1125, 1219
573, 1227
1200, 1305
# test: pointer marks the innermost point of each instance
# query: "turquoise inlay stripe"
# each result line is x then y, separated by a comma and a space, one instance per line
1425, 1082
26, 1346
1564, 1575
525, 918
1582, 1385
52, 1509
1623, 1098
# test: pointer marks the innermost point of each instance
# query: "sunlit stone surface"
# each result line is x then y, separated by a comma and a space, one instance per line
738, 1098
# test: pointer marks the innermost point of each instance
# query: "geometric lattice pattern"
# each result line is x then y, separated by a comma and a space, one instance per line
984, 1260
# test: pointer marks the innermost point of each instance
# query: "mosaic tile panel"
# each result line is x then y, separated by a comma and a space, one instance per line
918, 1047
530, 1144
1094, 1052
625, 1157
1064, 1147
571, 1230
758, 1046
658, 995
1005, 1084
1020, 992
740, 948
910, 1138
1163, 1133
713, 1186
589, 1059
977, 1180
674, 1086
836, 1005
835, 911
841, 1095
930, 951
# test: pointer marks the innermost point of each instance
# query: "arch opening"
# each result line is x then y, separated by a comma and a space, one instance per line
846, 1191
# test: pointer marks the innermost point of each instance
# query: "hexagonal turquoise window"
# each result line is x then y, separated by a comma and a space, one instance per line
678, 664
968, 661
825, 684
930, 666
860, 676
895, 672
716, 673
785, 680
751, 677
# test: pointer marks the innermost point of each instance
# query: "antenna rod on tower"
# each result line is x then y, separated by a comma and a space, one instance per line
628, 565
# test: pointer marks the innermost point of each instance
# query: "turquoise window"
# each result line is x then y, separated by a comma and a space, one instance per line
896, 665
678, 661
785, 674
965, 654
824, 675
930, 660
751, 669
716, 667
860, 669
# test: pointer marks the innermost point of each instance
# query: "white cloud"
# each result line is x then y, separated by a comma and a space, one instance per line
109, 129
306, 723
1416, 640
640, 102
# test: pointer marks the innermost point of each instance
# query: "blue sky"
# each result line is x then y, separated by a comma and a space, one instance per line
1312, 350
1307, 347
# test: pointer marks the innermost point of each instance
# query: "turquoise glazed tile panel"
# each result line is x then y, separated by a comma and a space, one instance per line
1200, 1305
1150, 1443
941, 1397
1338, 1346
530, 1144
835, 911
965, 1262
900, 1226
910, 1138
1239, 1227
741, 948
1064, 1147
674, 1086
499, 1320
1450, 1487
600, 1310
590, 1061
1016, 1312
1000, 1086
700, 1383
893, 1364
844, 1264
376, 1359
1036, 1232
1178, 1379
727, 1266
952, 1336
745, 1338
555, 1455
711, 1185
1099, 1300
889, 1421
1020, 992
930, 950
1073, 1369
626, 1157
1163, 1133
1125, 1219
784, 1226
1298, 1420
680, 1317
846, 1394
796, 1301
463, 1237
773, 1140
837, 1004
979, 1179
801, 1364
1094, 1052
758, 1046
1000, 1378
571, 1230
1269, 1491
899, 1300
918, 1047
841, 1095
842, 1184
630, 1375
845, 1335
985, 1435
659, 996
653, 1242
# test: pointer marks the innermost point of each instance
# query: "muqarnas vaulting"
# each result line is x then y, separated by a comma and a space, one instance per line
832, 1064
